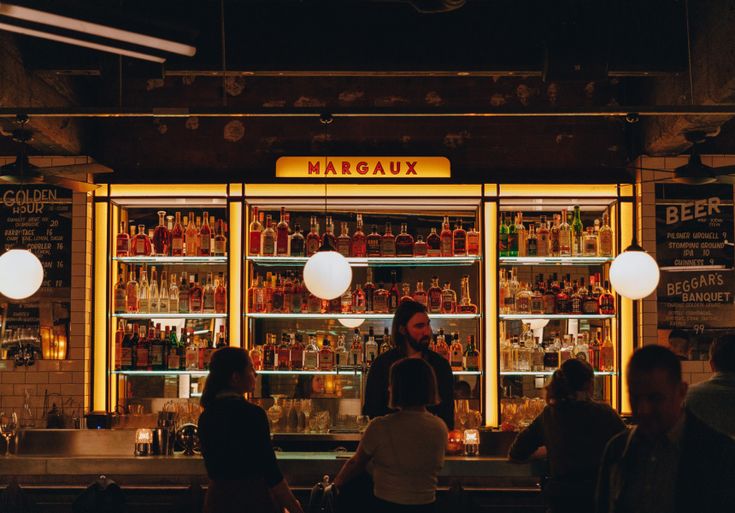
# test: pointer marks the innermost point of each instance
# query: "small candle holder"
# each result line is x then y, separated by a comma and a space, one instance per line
143, 442
471, 442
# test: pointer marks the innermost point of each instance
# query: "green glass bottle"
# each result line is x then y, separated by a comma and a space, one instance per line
503, 239
512, 238
577, 233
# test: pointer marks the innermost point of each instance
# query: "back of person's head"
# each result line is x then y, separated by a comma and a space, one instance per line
404, 313
412, 383
655, 357
573, 376
722, 354
225, 362
679, 342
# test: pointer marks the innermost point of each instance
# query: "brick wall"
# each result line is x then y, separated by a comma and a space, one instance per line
71, 377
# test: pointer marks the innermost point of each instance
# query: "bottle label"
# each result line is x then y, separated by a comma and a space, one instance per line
126, 359
204, 244
473, 362
326, 360
460, 245
177, 246
312, 245
173, 359
140, 246
220, 246
373, 247
120, 299
141, 357
209, 302
157, 355
254, 243
605, 240
122, 246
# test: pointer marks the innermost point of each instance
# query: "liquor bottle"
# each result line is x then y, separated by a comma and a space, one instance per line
555, 237
420, 295
566, 350
346, 301
551, 355
387, 344
590, 305
277, 297
356, 354
433, 244
298, 243
565, 235
161, 236
435, 296
192, 352
420, 248
537, 357
537, 299
256, 356
512, 237
563, 305
296, 352
120, 302
282, 235
126, 348
192, 236
369, 292
328, 238
219, 247
144, 292
298, 298
254, 234
575, 301
164, 298
374, 243
313, 240
441, 348
594, 350
158, 349
465, 304
175, 236
359, 303
456, 353
326, 356
393, 294
607, 301
523, 300
521, 235
446, 238
268, 238
141, 243
503, 237
206, 348
472, 355
459, 240
506, 355
388, 242
513, 287
208, 295
449, 299
380, 300
607, 353
133, 347
155, 296
549, 299
371, 348
196, 295
311, 355
122, 242
404, 242
605, 238
577, 233
171, 352
589, 245
220, 295
222, 339
581, 349
344, 242
183, 294
143, 349
269, 352
283, 353
504, 294
542, 238
405, 293
359, 241
531, 245
341, 354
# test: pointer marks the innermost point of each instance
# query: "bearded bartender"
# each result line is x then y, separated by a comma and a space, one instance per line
411, 336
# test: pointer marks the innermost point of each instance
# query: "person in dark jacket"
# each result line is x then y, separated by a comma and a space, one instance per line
235, 442
411, 334
571, 432
670, 461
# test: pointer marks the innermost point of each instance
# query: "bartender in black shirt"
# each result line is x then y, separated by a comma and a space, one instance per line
411, 335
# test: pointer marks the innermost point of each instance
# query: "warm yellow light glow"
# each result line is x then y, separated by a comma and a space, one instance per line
167, 190
626, 190
362, 168
490, 229
559, 190
235, 284
102, 191
362, 190
101, 319
491, 190
625, 308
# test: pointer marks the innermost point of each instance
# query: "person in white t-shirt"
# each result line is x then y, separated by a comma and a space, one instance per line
407, 447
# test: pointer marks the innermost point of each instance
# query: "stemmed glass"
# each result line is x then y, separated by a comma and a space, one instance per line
275, 412
8, 428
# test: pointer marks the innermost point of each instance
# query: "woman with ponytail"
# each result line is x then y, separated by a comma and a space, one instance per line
571, 432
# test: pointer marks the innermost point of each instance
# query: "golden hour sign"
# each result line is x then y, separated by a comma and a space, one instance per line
363, 167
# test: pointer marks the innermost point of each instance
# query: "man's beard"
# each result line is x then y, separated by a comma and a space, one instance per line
418, 345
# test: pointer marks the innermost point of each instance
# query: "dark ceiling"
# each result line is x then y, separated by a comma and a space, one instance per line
362, 55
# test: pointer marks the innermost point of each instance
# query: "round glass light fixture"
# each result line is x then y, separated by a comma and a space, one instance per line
327, 274
350, 322
21, 274
634, 273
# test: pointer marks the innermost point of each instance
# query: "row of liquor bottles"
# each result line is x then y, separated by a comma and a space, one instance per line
194, 236
148, 347
554, 296
138, 295
269, 239
565, 236
292, 354
288, 294
528, 354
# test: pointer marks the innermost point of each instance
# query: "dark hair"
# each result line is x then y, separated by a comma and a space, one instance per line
224, 363
412, 383
722, 353
650, 358
403, 314
679, 334
573, 376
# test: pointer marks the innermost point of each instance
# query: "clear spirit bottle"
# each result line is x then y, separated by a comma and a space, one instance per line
565, 236
132, 292
371, 348
268, 238
555, 238
341, 354
465, 304
523, 300
590, 243
521, 236
155, 296
311, 355
173, 294
144, 292
605, 237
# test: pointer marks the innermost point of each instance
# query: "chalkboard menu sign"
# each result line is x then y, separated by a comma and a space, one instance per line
694, 225
696, 299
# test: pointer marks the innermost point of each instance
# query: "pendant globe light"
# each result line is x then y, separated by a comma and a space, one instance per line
351, 322
634, 273
21, 274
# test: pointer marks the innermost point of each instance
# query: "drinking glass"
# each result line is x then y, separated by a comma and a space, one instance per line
8, 428
362, 422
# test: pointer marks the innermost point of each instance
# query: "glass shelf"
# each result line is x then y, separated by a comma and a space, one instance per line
170, 315
365, 316
518, 317
374, 261
276, 372
549, 373
202, 260
162, 372
580, 261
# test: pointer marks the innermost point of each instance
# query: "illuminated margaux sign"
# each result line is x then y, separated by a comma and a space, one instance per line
363, 167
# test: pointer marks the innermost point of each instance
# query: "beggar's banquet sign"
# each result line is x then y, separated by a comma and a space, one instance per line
363, 167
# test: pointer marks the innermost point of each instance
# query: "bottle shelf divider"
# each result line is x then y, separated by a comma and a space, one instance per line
373, 261
169, 260
366, 316
170, 315
518, 317
540, 261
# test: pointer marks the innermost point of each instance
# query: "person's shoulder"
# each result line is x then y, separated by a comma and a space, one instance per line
435, 422
386, 359
438, 361
700, 432
616, 446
